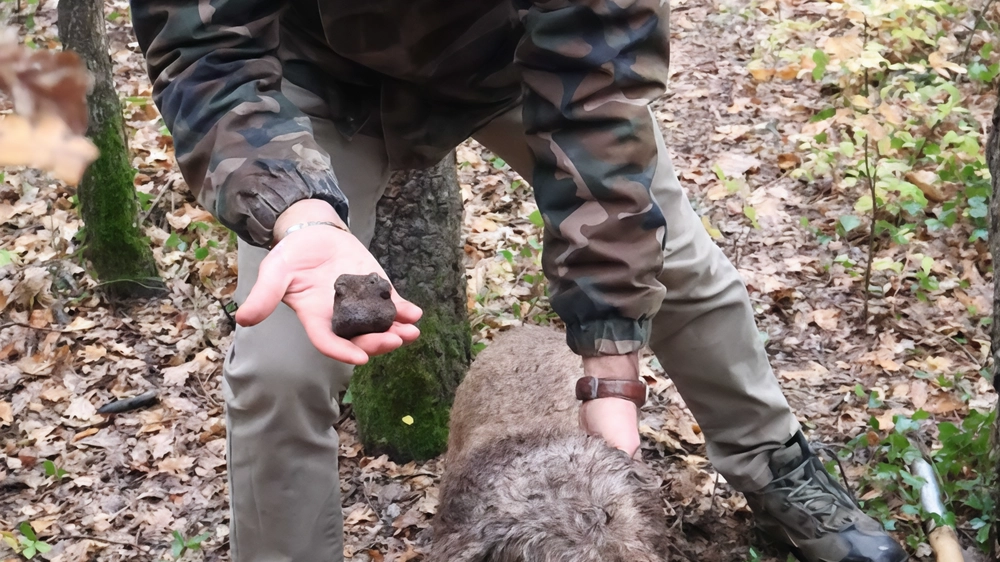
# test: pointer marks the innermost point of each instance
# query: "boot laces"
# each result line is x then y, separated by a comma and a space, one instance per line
819, 498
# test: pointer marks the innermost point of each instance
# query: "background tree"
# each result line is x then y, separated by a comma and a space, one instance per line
121, 256
401, 400
993, 160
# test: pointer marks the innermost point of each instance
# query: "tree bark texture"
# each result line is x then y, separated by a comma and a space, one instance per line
120, 255
993, 160
402, 400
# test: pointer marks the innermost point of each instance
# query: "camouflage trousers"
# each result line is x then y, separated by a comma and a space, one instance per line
281, 393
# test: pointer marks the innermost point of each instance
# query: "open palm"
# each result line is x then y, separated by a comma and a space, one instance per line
301, 271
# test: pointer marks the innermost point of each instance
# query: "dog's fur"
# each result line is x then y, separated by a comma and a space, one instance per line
522, 481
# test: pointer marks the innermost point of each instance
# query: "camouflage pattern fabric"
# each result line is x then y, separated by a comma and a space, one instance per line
424, 75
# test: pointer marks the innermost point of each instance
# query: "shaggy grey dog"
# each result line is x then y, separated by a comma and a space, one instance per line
522, 481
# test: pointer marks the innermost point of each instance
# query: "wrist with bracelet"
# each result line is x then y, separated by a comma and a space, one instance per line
307, 224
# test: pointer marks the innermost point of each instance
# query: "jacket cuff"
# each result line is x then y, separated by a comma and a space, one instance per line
611, 336
251, 204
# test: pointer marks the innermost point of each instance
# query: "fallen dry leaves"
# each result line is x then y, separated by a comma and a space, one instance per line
134, 478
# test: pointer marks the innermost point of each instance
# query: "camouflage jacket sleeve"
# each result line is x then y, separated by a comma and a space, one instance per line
591, 67
244, 149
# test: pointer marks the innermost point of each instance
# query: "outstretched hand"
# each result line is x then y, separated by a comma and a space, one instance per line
301, 270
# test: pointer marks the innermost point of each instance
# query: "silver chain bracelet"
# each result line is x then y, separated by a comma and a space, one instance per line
301, 225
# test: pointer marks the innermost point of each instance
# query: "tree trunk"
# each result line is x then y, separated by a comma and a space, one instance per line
401, 400
121, 256
993, 159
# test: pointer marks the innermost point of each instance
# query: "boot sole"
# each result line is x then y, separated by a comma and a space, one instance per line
785, 548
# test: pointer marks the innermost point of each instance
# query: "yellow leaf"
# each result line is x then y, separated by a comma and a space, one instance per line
715, 233
814, 374
47, 144
843, 48
734, 165
85, 433
9, 539
717, 191
826, 318
874, 129
760, 73
483, 224
948, 44
92, 353
42, 524
408, 420
928, 183
788, 72
940, 63
943, 403
872, 59
861, 101
788, 160
176, 465
198, 214
80, 323
885, 422
892, 114
938, 364
56, 393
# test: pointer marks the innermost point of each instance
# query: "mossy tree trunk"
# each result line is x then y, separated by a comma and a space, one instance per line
120, 255
993, 158
402, 400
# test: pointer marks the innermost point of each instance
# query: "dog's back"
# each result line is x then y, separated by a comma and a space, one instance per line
523, 483
524, 379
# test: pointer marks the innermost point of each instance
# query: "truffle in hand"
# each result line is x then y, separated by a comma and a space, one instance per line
362, 305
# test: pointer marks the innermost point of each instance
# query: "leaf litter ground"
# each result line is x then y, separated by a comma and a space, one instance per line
100, 487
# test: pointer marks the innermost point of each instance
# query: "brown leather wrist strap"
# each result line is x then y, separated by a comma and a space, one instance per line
591, 388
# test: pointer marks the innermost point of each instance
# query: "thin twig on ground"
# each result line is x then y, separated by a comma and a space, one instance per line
30, 327
98, 539
871, 189
145, 216
972, 34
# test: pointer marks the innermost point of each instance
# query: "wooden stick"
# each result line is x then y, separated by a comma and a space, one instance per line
944, 541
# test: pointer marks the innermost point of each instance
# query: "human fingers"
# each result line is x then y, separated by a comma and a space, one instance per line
406, 332
406, 311
378, 344
266, 293
321, 335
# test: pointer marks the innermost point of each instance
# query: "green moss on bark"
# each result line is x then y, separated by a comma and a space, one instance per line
120, 255
415, 381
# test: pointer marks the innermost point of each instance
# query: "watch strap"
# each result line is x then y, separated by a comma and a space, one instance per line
592, 388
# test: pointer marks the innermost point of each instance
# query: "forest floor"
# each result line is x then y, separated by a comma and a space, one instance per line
106, 488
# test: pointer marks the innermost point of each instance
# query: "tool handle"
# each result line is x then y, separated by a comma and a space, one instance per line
944, 541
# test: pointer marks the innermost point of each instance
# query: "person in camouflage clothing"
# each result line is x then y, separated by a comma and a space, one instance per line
287, 117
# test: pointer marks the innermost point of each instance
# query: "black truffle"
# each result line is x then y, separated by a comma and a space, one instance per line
362, 305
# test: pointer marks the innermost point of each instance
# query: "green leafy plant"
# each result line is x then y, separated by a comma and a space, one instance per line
180, 545
897, 135
53, 471
498, 163
960, 462
198, 237
26, 543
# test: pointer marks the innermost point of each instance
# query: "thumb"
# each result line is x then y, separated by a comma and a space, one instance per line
266, 294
